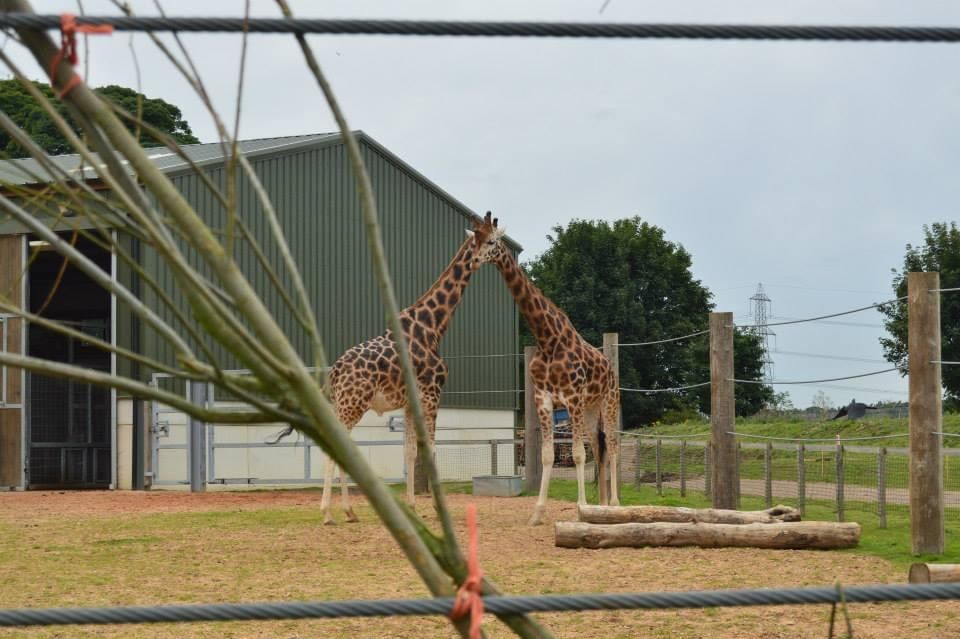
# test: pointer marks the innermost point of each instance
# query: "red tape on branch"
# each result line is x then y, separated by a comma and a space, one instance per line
468, 597
68, 48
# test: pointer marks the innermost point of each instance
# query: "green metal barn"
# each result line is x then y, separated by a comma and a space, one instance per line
55, 433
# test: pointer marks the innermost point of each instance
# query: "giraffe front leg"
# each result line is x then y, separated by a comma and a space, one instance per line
578, 450
410, 454
545, 414
328, 471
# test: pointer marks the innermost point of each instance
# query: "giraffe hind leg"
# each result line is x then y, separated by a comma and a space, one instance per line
610, 426
345, 498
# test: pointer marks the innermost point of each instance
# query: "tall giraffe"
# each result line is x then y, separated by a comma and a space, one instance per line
567, 372
368, 376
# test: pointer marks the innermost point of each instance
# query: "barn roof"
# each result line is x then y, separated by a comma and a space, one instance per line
30, 171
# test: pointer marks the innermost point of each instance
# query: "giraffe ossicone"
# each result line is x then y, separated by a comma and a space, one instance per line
368, 375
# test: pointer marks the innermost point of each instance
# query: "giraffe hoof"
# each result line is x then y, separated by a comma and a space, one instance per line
328, 521
536, 519
351, 516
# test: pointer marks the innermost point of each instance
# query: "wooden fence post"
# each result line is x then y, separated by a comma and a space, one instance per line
839, 480
882, 487
611, 348
707, 472
725, 478
683, 468
659, 467
801, 479
768, 475
926, 413
532, 461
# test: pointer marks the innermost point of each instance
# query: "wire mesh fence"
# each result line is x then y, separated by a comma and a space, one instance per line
856, 481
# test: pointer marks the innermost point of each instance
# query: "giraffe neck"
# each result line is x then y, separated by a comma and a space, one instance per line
546, 321
434, 309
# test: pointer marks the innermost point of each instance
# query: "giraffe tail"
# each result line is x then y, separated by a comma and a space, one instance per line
601, 443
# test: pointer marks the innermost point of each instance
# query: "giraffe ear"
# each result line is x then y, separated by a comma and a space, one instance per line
468, 232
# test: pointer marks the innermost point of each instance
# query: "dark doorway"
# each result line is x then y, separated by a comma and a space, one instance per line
69, 423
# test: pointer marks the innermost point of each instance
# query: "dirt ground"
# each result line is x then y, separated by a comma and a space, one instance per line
126, 548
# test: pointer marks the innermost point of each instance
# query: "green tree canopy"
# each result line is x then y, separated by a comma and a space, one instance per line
27, 113
940, 251
626, 277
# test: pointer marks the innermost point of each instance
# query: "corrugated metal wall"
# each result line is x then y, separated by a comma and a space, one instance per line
313, 192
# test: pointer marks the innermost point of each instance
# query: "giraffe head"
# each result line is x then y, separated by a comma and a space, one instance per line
487, 240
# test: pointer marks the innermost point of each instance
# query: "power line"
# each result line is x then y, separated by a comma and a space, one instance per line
843, 358
822, 317
814, 381
501, 29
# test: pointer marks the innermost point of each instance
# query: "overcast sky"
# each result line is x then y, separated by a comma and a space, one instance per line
805, 166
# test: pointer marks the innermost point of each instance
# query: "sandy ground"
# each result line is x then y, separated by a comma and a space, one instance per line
295, 557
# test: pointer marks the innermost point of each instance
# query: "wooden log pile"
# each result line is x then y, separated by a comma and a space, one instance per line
652, 514
638, 526
934, 573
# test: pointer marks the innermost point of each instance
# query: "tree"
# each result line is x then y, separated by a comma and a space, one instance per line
27, 113
823, 404
940, 251
626, 277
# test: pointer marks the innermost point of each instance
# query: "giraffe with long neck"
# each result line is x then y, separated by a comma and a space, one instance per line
567, 372
368, 375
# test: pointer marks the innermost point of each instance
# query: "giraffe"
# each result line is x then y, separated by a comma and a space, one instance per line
368, 376
567, 372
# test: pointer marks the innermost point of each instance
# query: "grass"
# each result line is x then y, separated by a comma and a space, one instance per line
892, 543
820, 465
799, 428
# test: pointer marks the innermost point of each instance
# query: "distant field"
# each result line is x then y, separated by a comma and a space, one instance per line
804, 429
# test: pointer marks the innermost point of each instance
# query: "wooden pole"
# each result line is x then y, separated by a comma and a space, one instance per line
722, 411
792, 535
611, 350
768, 475
532, 461
882, 487
839, 476
801, 479
926, 413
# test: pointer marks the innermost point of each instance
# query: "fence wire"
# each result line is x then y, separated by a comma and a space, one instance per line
853, 481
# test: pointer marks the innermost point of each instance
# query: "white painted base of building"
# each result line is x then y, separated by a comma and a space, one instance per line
238, 457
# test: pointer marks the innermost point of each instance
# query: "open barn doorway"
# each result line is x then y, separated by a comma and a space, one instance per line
69, 423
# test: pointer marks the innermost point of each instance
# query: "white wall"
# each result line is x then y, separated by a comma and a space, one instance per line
239, 454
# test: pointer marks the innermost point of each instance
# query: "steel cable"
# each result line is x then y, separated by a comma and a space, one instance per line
500, 29
497, 605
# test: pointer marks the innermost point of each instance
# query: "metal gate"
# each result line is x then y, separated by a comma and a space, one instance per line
69, 422
234, 454
240, 454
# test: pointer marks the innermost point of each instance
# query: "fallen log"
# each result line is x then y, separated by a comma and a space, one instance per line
819, 535
934, 573
651, 514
